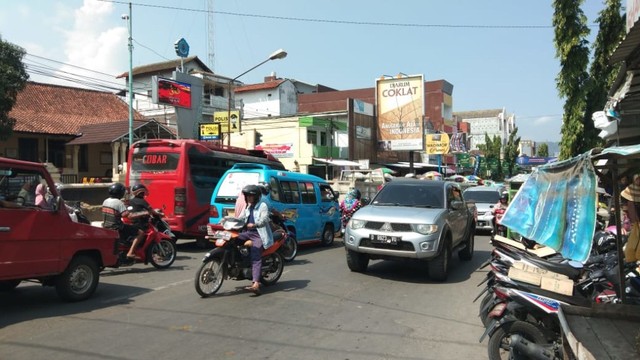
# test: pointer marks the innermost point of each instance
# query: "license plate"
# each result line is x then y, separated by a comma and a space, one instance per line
224, 235
384, 239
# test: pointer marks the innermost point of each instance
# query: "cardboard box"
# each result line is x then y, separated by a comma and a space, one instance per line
524, 276
537, 270
560, 286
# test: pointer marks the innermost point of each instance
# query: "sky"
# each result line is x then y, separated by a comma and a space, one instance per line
496, 53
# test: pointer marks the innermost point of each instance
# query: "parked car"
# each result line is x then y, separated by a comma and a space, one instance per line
42, 243
412, 219
485, 198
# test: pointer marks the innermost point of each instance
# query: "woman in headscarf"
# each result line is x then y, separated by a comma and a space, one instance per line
349, 206
42, 200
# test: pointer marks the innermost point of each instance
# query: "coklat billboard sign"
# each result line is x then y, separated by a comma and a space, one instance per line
400, 105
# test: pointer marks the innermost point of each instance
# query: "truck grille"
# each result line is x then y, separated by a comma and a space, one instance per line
377, 225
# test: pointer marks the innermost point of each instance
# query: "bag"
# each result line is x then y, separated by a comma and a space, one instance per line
632, 249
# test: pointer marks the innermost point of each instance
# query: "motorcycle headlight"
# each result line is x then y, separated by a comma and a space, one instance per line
425, 229
356, 224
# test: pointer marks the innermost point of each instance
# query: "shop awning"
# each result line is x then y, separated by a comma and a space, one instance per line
338, 162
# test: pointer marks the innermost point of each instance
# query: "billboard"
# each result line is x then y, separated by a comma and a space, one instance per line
400, 109
437, 144
222, 118
210, 132
171, 92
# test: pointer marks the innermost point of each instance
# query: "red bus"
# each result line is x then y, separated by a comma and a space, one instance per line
181, 175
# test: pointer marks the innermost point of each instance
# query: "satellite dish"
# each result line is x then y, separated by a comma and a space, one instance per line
182, 48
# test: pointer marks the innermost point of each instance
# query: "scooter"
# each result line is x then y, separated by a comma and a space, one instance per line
230, 259
158, 246
289, 248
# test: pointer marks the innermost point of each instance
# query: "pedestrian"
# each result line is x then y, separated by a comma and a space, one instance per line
632, 195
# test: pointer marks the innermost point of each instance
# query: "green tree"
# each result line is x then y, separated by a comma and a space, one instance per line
511, 151
543, 150
601, 74
491, 150
13, 78
570, 32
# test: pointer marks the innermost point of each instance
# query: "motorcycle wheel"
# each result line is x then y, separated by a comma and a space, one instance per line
161, 255
289, 249
498, 347
272, 268
484, 315
209, 277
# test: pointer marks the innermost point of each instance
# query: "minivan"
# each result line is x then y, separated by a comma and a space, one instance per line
307, 201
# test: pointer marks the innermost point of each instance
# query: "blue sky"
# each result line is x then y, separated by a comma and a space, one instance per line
330, 42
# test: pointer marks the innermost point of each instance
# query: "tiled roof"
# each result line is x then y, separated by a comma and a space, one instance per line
54, 109
165, 65
110, 132
261, 86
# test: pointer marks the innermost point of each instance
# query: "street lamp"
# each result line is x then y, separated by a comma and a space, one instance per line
278, 54
128, 19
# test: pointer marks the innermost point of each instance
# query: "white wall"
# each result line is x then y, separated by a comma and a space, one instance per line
280, 101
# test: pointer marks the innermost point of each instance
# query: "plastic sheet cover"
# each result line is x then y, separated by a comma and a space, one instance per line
556, 207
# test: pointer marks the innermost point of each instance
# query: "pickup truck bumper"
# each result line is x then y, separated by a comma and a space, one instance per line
399, 245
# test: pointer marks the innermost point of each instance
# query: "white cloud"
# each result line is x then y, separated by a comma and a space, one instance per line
544, 120
92, 43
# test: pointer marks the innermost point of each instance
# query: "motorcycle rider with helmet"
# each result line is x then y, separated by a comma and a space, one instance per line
140, 210
501, 205
113, 209
258, 231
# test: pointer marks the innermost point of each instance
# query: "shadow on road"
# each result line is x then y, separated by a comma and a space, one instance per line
33, 301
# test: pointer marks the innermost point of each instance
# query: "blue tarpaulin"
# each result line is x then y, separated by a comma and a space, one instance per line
556, 207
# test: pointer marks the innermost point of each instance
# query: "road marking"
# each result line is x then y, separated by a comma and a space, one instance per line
172, 284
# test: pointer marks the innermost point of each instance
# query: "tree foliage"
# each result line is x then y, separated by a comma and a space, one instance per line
511, 151
491, 150
13, 78
601, 74
570, 32
543, 150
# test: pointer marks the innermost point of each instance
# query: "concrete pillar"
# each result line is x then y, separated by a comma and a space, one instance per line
115, 150
76, 160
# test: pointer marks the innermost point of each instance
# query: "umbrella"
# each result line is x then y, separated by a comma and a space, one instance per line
457, 178
433, 175
473, 178
387, 171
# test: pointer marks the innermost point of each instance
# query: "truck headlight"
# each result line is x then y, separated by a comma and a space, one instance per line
356, 224
425, 229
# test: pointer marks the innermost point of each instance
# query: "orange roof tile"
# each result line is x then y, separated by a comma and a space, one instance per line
56, 109
261, 86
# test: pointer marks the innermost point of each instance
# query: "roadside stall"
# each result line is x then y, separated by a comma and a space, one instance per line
556, 207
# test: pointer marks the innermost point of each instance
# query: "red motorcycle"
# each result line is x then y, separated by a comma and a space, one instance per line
499, 228
231, 260
158, 246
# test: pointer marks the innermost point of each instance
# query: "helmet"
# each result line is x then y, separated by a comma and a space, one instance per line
504, 197
252, 190
117, 190
265, 188
139, 189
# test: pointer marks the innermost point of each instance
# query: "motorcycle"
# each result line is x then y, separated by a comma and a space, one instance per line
158, 246
231, 260
500, 229
289, 248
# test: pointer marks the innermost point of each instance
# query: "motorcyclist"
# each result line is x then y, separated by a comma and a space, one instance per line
140, 212
349, 206
500, 207
258, 231
113, 209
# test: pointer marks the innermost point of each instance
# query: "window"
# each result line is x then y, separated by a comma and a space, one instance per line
290, 192
308, 193
323, 138
20, 186
326, 193
275, 190
83, 158
312, 137
205, 170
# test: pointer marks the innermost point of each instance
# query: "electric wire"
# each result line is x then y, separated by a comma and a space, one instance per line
343, 22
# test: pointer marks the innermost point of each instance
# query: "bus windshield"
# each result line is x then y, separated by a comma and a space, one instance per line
155, 162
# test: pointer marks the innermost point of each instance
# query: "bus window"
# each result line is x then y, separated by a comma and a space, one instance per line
308, 193
290, 192
275, 190
205, 170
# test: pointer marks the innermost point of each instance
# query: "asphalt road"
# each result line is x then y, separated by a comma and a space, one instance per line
318, 310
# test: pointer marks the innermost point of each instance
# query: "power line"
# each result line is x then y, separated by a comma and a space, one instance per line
343, 22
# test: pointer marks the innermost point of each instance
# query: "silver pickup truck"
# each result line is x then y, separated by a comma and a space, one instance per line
412, 219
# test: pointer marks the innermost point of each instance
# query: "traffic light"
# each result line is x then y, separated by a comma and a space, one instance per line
258, 138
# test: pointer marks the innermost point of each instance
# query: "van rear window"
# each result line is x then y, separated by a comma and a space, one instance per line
235, 181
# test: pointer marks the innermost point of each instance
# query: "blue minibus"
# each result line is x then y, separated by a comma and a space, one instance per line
307, 201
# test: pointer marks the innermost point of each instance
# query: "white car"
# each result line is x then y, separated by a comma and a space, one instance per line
485, 199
